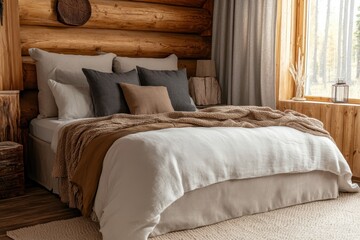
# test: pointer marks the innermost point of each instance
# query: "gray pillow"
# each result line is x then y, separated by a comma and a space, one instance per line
106, 93
176, 83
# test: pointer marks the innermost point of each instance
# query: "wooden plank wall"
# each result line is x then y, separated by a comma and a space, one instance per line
341, 120
10, 56
136, 28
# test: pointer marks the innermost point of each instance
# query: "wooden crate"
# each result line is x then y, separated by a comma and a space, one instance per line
11, 169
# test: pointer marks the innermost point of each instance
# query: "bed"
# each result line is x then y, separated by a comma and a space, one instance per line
227, 198
166, 167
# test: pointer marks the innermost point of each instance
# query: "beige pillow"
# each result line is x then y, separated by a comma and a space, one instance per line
47, 62
146, 99
125, 64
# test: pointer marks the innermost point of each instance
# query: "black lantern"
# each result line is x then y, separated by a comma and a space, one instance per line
340, 91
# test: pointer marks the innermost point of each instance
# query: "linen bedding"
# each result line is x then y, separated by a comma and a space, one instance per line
145, 172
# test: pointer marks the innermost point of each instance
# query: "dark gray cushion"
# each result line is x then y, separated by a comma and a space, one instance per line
176, 83
106, 93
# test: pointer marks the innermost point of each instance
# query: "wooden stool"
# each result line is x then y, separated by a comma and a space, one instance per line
11, 170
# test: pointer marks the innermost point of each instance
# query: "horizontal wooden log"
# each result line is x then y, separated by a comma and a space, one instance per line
29, 73
189, 3
29, 68
123, 15
124, 43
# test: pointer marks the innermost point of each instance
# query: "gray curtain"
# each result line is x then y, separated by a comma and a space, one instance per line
244, 50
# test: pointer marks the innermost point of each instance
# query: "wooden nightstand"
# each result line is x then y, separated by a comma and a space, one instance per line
11, 169
9, 116
205, 90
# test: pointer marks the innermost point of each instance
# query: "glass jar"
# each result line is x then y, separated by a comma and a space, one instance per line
340, 91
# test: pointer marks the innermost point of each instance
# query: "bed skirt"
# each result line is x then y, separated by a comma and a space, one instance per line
40, 164
231, 199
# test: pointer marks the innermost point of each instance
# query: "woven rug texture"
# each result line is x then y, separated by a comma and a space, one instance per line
323, 220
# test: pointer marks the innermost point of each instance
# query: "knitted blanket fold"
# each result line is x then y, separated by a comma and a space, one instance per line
83, 144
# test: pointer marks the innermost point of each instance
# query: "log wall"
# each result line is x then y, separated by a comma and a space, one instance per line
133, 28
341, 120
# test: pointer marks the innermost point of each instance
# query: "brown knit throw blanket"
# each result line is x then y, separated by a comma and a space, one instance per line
74, 138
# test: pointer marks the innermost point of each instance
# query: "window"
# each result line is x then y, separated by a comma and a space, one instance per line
333, 46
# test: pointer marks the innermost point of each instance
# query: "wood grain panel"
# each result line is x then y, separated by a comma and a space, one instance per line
189, 3
341, 120
9, 116
10, 54
123, 15
124, 43
356, 146
348, 131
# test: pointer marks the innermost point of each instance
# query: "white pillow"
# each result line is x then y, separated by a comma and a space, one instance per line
72, 102
126, 64
47, 62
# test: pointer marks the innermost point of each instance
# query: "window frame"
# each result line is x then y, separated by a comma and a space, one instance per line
298, 28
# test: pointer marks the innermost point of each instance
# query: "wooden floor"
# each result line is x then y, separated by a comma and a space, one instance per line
36, 206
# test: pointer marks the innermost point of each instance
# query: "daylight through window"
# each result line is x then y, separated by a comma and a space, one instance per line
333, 46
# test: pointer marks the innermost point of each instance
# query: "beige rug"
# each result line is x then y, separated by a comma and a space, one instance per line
333, 219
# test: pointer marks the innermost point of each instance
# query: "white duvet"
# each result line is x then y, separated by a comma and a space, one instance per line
145, 172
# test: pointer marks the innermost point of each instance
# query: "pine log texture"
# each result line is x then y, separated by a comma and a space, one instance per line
10, 52
120, 42
9, 116
209, 6
342, 121
205, 91
123, 15
188, 3
11, 169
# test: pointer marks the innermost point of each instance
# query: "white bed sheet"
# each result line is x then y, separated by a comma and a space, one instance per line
44, 128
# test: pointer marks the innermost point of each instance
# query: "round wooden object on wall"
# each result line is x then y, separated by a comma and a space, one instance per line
73, 12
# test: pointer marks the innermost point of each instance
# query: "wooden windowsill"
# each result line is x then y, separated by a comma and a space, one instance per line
328, 100
323, 102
